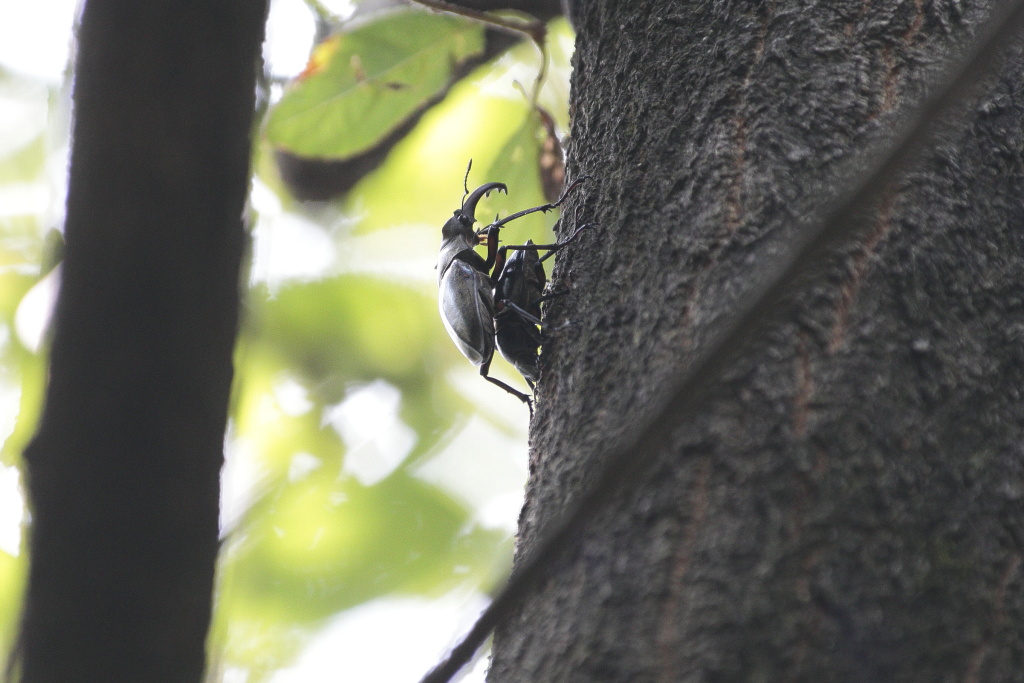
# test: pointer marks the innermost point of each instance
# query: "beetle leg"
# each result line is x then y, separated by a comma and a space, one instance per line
574, 235
522, 313
530, 318
551, 248
551, 295
495, 256
486, 367
531, 247
543, 207
489, 235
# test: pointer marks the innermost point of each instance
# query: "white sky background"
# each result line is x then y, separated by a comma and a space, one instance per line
390, 639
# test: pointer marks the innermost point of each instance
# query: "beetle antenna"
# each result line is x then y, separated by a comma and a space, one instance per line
465, 183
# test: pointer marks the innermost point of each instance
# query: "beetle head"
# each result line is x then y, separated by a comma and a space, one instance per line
457, 234
461, 222
459, 228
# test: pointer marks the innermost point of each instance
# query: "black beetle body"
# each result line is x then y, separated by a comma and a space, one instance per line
465, 296
518, 294
521, 283
466, 283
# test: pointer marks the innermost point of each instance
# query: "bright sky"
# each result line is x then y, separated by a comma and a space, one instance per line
35, 42
35, 37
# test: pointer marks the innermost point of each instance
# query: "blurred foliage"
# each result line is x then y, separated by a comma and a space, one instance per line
350, 399
29, 146
363, 83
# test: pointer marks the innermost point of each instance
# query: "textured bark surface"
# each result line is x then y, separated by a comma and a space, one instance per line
124, 470
848, 507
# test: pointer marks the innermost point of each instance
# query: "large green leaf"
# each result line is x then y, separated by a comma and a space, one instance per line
364, 84
323, 543
350, 326
13, 571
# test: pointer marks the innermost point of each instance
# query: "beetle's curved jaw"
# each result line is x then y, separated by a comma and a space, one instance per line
470, 202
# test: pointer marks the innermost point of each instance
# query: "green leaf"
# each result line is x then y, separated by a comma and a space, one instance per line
13, 571
313, 547
352, 326
25, 164
362, 85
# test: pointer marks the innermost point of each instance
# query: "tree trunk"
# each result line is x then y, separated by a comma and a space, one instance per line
124, 470
847, 506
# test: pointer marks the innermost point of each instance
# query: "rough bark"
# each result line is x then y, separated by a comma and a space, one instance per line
124, 470
848, 506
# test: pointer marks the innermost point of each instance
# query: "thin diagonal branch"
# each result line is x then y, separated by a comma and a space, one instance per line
768, 294
534, 30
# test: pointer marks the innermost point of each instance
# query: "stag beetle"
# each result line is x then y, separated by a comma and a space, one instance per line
466, 282
518, 294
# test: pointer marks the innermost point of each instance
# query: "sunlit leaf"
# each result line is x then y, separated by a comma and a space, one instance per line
19, 367
422, 181
365, 83
323, 543
355, 327
26, 163
13, 571
32, 371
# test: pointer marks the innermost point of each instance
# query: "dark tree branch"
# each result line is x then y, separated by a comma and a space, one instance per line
543, 10
123, 472
535, 29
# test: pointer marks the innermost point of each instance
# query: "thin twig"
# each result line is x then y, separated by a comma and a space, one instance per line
763, 301
533, 29
542, 72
